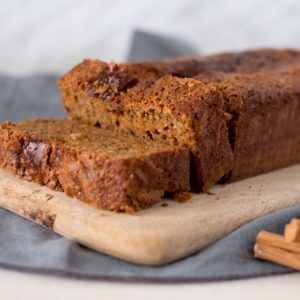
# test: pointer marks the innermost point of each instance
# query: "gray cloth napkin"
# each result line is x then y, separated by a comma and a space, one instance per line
24, 98
29, 247
147, 46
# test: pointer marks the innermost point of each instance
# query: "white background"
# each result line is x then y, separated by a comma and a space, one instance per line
54, 35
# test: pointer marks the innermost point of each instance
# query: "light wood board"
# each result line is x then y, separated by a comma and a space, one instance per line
160, 234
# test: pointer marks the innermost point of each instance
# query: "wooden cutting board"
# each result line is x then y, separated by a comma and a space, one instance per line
163, 233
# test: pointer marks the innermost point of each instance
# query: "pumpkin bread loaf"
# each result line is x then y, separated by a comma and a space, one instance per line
108, 170
210, 117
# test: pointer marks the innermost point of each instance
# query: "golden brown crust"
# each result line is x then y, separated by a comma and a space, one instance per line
108, 170
120, 77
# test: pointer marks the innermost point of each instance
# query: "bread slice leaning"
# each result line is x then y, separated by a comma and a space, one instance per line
109, 170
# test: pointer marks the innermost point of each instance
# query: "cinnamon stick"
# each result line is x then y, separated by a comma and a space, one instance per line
292, 231
277, 241
277, 255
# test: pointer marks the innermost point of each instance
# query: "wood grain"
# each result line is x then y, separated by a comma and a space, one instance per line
160, 234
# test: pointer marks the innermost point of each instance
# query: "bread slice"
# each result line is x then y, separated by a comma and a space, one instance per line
108, 170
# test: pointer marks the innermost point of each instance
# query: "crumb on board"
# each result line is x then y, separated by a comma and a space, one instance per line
209, 193
48, 196
180, 197
183, 196
164, 204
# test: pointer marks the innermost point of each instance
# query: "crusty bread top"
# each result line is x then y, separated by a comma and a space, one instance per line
261, 85
109, 81
122, 75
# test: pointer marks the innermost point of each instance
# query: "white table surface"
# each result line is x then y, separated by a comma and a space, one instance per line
16, 285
